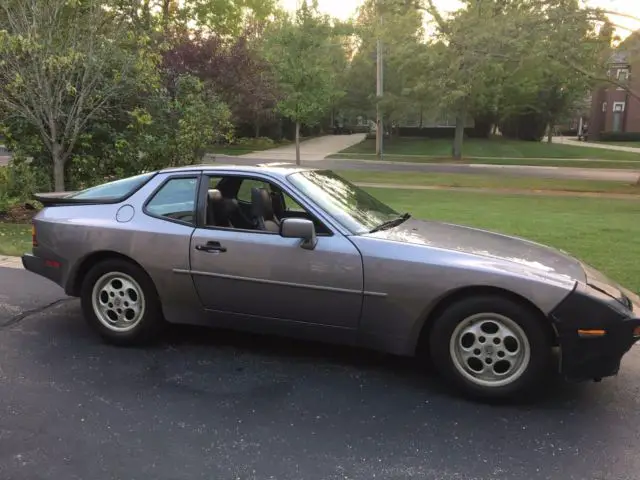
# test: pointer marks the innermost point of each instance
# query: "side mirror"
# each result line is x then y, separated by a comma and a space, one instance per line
300, 228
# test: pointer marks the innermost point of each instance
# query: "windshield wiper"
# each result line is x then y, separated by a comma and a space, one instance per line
394, 222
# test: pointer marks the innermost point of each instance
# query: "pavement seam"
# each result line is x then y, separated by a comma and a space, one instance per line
18, 318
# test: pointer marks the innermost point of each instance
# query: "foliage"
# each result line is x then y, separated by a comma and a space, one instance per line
62, 63
19, 180
172, 128
400, 31
230, 68
92, 89
224, 17
259, 143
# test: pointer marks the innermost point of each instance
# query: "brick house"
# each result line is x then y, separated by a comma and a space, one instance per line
613, 109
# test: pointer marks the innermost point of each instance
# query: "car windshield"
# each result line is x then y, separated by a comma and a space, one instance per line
354, 208
116, 189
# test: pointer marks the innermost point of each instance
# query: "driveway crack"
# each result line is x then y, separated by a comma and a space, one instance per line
27, 313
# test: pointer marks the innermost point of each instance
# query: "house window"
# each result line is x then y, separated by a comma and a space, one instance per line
604, 106
618, 106
623, 74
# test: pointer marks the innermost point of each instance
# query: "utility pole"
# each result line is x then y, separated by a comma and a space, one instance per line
379, 91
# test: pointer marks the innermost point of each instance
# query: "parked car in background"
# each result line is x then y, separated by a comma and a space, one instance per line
306, 254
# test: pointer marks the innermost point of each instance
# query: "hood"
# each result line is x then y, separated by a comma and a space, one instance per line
524, 253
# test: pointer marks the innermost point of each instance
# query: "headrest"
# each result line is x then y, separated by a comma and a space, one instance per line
214, 195
261, 203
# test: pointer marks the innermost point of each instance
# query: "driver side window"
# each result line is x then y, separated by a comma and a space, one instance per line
231, 205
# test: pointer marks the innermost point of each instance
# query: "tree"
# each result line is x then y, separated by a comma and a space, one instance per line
487, 43
173, 127
226, 18
231, 69
62, 63
469, 61
400, 30
300, 50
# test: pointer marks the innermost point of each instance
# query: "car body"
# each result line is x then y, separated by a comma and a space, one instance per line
330, 263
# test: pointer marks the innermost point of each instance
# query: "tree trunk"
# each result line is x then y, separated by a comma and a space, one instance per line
58, 168
459, 135
257, 130
297, 143
549, 132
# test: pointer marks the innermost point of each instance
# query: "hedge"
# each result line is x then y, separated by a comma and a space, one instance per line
619, 136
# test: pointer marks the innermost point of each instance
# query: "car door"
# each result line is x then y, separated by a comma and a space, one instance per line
263, 275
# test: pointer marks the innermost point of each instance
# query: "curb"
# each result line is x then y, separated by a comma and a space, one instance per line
10, 262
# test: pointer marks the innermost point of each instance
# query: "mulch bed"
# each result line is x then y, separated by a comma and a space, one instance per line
18, 213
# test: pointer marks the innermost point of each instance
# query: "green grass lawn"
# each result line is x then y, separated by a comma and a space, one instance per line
15, 239
230, 150
489, 181
245, 147
623, 144
496, 150
602, 232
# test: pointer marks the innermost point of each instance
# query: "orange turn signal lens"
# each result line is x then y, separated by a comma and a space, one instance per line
592, 333
34, 241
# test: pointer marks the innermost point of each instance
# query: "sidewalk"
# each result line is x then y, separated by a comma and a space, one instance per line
603, 146
310, 150
10, 262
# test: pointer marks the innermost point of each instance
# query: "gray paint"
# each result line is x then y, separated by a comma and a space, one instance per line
373, 289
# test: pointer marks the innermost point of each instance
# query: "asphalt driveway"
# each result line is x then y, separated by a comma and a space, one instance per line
209, 405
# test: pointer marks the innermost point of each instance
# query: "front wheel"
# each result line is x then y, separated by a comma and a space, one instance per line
120, 302
491, 347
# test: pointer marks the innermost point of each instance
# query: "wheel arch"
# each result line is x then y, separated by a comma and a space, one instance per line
421, 343
79, 272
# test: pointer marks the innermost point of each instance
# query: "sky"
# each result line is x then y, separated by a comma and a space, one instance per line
345, 8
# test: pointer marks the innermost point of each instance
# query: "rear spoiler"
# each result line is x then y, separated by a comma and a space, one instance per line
54, 199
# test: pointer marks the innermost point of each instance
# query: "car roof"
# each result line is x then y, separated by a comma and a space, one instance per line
277, 168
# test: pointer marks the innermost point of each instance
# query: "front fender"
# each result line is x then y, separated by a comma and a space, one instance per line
413, 280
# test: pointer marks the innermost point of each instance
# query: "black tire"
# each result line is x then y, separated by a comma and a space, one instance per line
150, 323
531, 323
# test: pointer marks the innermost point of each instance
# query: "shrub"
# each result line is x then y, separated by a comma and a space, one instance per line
620, 136
20, 180
260, 143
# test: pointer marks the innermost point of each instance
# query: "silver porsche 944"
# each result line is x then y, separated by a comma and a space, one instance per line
304, 253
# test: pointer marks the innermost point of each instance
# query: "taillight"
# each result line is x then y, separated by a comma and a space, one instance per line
34, 240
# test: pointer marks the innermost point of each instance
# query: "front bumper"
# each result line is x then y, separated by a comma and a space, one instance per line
587, 356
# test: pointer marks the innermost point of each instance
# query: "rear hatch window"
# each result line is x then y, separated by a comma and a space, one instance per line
113, 190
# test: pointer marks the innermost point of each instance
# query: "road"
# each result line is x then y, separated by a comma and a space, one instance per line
209, 405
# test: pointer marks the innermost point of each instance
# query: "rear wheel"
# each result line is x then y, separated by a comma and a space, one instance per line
491, 347
120, 302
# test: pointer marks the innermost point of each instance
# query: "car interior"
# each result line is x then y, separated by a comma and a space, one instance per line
249, 204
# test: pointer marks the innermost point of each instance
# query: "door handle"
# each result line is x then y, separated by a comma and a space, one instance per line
211, 247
